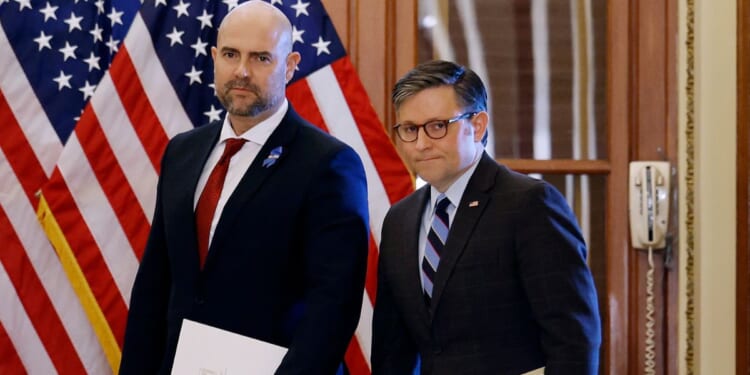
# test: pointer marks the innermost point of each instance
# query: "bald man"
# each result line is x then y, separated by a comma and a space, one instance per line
277, 248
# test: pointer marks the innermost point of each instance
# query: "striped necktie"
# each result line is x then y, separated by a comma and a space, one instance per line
434, 245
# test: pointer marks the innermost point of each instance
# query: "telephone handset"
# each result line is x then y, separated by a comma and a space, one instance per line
649, 203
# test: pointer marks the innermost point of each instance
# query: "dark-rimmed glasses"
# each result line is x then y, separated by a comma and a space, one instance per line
434, 129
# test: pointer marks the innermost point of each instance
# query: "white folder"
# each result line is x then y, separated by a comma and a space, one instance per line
206, 350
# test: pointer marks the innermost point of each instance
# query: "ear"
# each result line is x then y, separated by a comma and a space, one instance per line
292, 60
479, 123
214, 51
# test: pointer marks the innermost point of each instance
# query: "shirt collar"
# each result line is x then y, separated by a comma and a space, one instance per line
456, 190
259, 133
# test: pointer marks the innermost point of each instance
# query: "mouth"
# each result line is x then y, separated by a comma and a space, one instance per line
241, 86
240, 89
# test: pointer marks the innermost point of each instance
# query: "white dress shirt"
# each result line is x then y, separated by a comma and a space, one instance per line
256, 137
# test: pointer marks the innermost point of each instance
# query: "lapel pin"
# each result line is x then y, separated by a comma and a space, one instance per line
473, 203
272, 157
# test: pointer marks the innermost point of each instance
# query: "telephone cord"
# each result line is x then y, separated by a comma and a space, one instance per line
650, 349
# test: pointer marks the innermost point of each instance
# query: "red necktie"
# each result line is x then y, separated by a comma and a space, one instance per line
204, 211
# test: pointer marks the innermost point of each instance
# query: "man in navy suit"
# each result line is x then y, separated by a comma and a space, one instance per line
483, 270
287, 241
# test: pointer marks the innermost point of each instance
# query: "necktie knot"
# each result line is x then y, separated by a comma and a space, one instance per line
232, 145
441, 208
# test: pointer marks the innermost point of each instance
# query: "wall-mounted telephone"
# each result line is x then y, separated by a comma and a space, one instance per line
649, 216
649, 203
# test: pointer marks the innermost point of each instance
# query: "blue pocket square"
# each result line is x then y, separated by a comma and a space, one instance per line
272, 157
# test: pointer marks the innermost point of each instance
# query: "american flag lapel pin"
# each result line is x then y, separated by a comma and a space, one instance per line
473, 203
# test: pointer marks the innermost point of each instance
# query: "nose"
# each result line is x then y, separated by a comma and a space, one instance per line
423, 141
241, 70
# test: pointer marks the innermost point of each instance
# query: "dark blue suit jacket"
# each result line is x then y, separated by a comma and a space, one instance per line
286, 264
512, 292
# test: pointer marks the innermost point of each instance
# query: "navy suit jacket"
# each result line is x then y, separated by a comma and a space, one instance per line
512, 292
286, 264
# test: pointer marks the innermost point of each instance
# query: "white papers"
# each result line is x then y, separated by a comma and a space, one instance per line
206, 350
539, 371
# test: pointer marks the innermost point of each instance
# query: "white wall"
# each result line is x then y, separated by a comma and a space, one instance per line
715, 196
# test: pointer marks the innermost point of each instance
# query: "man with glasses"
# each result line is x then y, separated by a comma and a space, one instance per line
482, 270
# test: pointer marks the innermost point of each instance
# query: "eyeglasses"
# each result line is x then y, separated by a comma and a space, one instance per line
434, 129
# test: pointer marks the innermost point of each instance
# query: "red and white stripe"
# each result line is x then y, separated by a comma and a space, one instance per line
103, 190
43, 328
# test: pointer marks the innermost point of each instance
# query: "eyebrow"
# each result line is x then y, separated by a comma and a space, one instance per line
261, 53
426, 122
253, 53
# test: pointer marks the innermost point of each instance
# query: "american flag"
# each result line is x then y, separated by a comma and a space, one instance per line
90, 93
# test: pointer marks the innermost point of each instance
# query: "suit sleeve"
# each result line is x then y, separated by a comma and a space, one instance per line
145, 333
335, 261
559, 285
393, 350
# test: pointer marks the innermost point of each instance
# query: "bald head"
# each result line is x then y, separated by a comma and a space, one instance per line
257, 16
253, 62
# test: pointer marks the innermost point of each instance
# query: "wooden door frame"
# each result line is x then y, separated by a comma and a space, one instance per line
653, 128
743, 219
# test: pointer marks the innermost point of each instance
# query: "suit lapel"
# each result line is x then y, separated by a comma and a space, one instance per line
409, 254
280, 142
473, 203
191, 161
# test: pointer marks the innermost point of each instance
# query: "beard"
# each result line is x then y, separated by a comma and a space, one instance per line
261, 103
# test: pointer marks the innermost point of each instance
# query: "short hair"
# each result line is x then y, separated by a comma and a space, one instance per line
469, 88
470, 91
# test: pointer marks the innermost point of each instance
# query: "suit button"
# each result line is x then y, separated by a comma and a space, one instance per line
437, 350
199, 301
